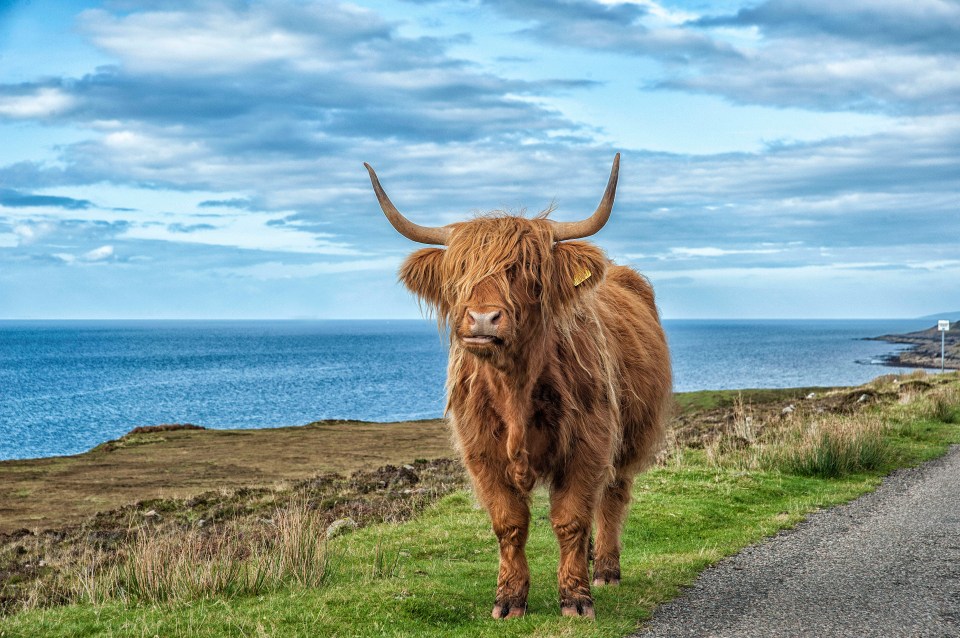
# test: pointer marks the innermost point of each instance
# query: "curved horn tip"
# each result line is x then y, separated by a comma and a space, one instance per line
596, 221
410, 230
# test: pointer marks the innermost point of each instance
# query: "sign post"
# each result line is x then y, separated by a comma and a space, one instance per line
943, 326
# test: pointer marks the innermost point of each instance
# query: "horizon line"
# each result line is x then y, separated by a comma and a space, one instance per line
430, 319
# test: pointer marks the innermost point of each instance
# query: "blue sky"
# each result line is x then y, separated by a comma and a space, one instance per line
203, 159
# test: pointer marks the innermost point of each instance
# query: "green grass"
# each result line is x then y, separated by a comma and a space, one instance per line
435, 575
441, 568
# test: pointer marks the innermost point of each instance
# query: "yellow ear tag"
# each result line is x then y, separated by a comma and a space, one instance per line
581, 277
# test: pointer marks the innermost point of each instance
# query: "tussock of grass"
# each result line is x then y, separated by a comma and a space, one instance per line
832, 448
198, 564
944, 405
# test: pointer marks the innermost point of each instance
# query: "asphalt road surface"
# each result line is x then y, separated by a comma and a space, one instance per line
887, 564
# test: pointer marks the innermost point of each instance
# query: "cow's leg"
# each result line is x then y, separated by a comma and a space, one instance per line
571, 509
510, 514
614, 502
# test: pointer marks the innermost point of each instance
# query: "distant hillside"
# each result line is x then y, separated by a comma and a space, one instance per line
952, 316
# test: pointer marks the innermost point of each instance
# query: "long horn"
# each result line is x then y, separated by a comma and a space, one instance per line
590, 225
415, 232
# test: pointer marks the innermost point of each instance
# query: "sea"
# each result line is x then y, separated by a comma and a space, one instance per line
67, 386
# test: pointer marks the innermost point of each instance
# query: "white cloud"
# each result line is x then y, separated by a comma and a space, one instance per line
44, 102
196, 43
91, 256
31, 231
658, 13
277, 270
245, 230
711, 251
98, 254
9, 240
936, 264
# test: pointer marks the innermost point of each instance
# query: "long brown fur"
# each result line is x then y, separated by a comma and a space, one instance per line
574, 395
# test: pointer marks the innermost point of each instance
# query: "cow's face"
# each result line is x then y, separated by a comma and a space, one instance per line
500, 278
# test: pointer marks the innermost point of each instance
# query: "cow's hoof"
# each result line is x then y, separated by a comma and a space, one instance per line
506, 610
600, 581
580, 609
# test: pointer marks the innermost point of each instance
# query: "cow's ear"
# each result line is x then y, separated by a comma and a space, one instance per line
421, 274
580, 267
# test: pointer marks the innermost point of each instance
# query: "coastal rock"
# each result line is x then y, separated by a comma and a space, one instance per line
925, 350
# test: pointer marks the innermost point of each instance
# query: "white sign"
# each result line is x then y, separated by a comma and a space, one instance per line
943, 325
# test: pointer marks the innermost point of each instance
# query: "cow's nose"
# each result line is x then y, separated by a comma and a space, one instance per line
484, 323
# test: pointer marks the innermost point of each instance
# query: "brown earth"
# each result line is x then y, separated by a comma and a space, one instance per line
160, 462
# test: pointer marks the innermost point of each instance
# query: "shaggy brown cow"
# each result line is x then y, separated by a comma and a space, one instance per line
559, 373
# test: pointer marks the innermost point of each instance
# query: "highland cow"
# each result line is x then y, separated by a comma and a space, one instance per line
559, 374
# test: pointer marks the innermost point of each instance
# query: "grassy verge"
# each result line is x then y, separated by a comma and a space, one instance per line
763, 468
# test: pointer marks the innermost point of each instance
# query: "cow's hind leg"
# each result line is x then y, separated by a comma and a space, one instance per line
571, 507
611, 513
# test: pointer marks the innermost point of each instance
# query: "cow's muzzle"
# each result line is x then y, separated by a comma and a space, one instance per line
482, 328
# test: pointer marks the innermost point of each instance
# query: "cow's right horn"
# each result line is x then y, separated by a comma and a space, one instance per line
590, 225
437, 235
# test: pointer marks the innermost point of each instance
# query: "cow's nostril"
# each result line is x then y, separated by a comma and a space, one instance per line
471, 317
495, 317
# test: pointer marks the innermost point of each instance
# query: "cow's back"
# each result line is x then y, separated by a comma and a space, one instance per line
628, 310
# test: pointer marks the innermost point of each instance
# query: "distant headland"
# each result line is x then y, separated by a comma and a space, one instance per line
925, 352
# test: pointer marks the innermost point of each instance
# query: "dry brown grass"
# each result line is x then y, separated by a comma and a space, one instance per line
800, 440
231, 560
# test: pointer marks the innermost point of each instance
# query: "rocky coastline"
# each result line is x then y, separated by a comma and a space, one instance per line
925, 348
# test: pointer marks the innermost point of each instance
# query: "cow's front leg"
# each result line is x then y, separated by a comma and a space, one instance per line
571, 511
509, 510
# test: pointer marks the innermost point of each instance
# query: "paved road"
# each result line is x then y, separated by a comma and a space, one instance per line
887, 564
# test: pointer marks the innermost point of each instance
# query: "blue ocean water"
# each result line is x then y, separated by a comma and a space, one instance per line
66, 386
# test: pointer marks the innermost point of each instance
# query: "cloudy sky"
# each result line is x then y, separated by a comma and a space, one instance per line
204, 159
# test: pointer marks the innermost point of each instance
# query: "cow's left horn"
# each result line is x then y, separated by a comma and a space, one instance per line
415, 232
590, 225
